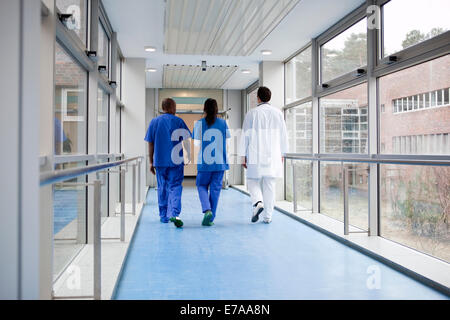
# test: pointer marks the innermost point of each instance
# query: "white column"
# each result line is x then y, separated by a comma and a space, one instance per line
133, 115
271, 75
315, 127
234, 101
46, 148
372, 36
151, 105
19, 141
9, 142
92, 119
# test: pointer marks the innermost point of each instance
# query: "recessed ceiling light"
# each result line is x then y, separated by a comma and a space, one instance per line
150, 49
245, 71
266, 52
150, 70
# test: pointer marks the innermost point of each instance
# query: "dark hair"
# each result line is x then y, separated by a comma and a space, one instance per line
211, 109
168, 104
264, 94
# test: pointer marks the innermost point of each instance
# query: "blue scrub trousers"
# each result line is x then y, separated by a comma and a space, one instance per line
170, 181
211, 180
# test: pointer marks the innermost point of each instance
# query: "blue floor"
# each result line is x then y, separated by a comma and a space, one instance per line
239, 260
65, 208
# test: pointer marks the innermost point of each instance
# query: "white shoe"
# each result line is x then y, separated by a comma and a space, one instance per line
257, 210
267, 221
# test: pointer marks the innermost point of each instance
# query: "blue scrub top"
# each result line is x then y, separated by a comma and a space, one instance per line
160, 133
213, 154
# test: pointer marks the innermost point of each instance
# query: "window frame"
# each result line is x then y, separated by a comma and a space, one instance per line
341, 26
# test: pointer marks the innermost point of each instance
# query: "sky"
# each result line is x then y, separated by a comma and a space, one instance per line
400, 17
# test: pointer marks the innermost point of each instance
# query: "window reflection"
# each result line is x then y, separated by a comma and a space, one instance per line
344, 121
298, 76
344, 53
70, 104
78, 21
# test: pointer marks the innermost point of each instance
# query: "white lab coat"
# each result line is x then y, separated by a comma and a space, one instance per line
264, 141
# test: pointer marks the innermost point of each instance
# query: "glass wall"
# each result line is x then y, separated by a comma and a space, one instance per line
298, 76
73, 133
416, 121
409, 22
119, 77
409, 119
414, 207
303, 183
299, 128
416, 116
70, 104
344, 53
69, 219
78, 21
102, 122
344, 121
103, 53
331, 192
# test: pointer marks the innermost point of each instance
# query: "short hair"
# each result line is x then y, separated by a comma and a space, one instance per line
167, 104
264, 94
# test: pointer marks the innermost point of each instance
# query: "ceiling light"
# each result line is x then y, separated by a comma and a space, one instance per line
246, 71
150, 70
266, 52
150, 49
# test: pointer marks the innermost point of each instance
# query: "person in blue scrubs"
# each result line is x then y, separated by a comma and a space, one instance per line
210, 133
165, 136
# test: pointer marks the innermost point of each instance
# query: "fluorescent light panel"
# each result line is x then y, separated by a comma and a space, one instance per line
187, 76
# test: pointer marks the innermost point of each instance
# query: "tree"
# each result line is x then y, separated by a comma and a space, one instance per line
352, 56
415, 36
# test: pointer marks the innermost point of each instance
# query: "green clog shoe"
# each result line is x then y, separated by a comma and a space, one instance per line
177, 222
207, 219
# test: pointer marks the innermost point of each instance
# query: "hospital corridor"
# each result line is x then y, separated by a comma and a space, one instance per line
208, 153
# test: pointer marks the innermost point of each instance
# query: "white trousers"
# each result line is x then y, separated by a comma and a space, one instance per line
263, 190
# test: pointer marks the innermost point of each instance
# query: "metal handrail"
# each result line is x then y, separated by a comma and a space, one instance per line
373, 159
62, 159
51, 177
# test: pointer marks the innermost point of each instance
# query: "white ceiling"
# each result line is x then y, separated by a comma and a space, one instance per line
140, 23
221, 27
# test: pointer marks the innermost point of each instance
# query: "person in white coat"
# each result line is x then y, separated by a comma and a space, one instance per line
263, 144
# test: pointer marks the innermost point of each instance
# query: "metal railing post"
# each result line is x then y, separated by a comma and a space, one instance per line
345, 193
134, 190
97, 241
294, 185
139, 180
122, 204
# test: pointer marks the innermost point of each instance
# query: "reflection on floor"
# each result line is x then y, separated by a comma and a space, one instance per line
236, 259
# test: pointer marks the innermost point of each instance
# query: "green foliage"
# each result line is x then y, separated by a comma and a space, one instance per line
420, 215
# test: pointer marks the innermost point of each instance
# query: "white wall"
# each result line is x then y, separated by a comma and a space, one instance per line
133, 117
271, 75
